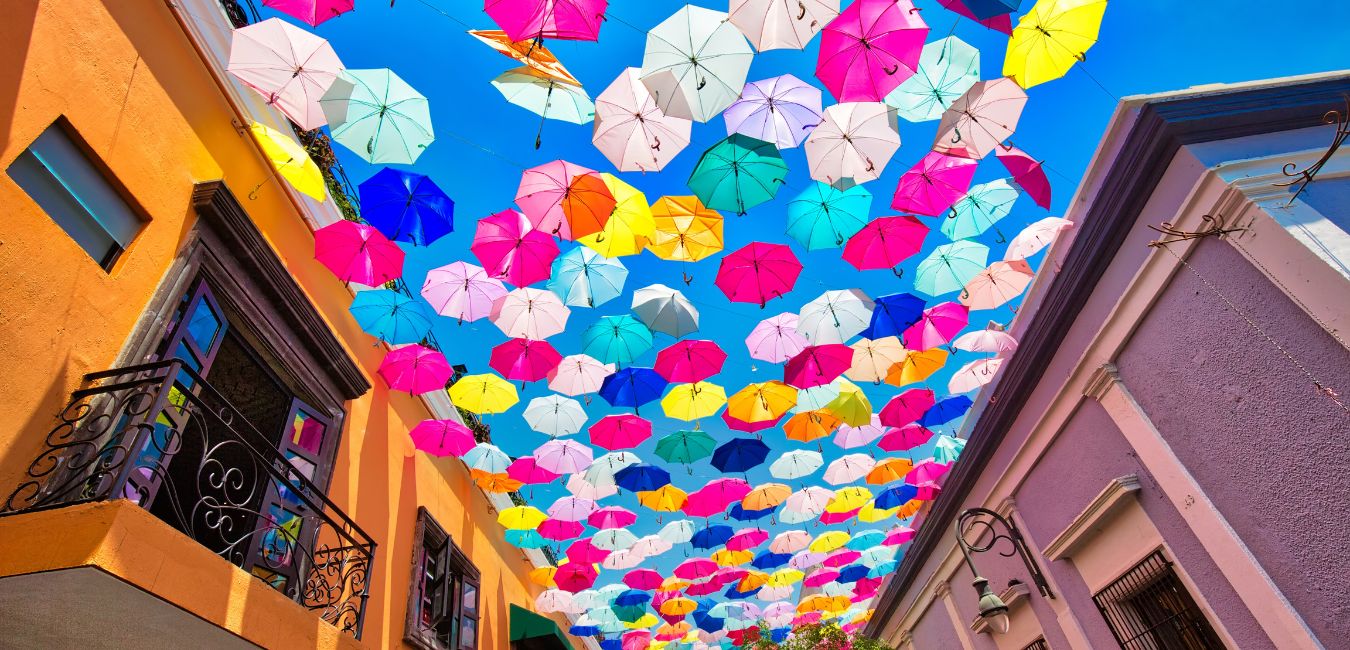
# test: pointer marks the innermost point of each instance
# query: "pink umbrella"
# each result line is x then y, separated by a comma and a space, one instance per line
997, 285
312, 11
579, 374
758, 272
612, 517
885, 242
574, 576
991, 340
563, 456
564, 199
527, 470
926, 470
695, 568
530, 313
560, 531
898, 536
714, 497
776, 339
630, 129
850, 437
747, 539
690, 361
937, 326
842, 557
584, 551
1035, 237
904, 438
703, 588
790, 541
820, 577
571, 509
358, 253
524, 359
907, 407
737, 424
1000, 23
933, 184
643, 579
928, 490
415, 369
567, 20
510, 249
870, 48
980, 120
636, 640
973, 375
620, 431
462, 291
290, 67
1027, 173
817, 365
442, 437
829, 518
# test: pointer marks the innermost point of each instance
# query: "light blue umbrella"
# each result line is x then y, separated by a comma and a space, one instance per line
616, 339
865, 540
585, 278
824, 216
948, 448
391, 316
950, 266
981, 207
947, 69
378, 116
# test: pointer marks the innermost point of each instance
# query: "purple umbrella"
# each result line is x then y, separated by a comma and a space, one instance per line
781, 110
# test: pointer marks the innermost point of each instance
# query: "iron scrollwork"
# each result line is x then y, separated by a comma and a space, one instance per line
985, 525
1304, 177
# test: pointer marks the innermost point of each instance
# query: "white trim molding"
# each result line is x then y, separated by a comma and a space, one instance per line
1098, 512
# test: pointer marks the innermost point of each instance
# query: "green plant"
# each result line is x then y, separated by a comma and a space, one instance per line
818, 636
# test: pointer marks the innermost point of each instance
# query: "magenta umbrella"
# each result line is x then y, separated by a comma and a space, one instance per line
747, 539
643, 579
442, 437
737, 424
559, 530
781, 110
818, 365
776, 339
904, 438
312, 11
568, 20
820, 577
564, 199
925, 471
527, 470
884, 243
524, 359
938, 325
695, 568
415, 369
758, 272
1001, 23
612, 517
870, 48
620, 431
510, 249
358, 253
907, 407
690, 361
933, 184
1028, 173
574, 577
583, 550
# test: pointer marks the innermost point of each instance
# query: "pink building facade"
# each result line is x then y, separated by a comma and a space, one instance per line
1172, 438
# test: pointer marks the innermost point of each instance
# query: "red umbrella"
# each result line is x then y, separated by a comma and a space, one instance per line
818, 365
737, 424
885, 242
527, 470
574, 576
870, 48
358, 253
758, 272
415, 369
442, 437
1028, 173
524, 359
510, 249
620, 431
907, 407
690, 361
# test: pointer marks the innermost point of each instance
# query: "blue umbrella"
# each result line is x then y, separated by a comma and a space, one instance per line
525, 539
896, 496
824, 216
779, 634
642, 478
632, 597
585, 630
945, 411
611, 644
893, 314
769, 560
986, 9
703, 619
712, 536
739, 454
391, 316
865, 540
852, 573
632, 387
616, 339
741, 514
883, 569
733, 594
585, 278
406, 207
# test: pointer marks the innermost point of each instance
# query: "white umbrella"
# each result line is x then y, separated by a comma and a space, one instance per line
981, 119
488, 458
663, 309
602, 471
947, 69
290, 67
854, 142
527, 313
555, 415
651, 546
790, 541
620, 560
805, 504
632, 131
849, 468
872, 359
554, 601
781, 24
836, 316
796, 464
613, 539
583, 489
973, 375
677, 532
1035, 237
695, 63
579, 374
987, 340
571, 509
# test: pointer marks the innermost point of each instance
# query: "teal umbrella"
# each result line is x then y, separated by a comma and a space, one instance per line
616, 339
950, 266
391, 316
980, 209
825, 217
738, 173
685, 446
378, 116
546, 97
585, 278
947, 448
947, 69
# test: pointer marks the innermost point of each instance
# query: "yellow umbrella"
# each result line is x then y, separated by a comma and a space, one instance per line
916, 367
291, 161
851, 406
674, 584
1050, 38
785, 577
810, 425
667, 498
521, 518
871, 359
485, 393
543, 576
647, 620
829, 541
766, 496
685, 230
889, 470
630, 226
848, 499
678, 606
677, 630
753, 580
870, 514
690, 402
762, 401
728, 557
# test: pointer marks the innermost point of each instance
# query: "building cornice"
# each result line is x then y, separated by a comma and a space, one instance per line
1103, 507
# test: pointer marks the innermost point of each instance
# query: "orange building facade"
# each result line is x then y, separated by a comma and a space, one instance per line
195, 447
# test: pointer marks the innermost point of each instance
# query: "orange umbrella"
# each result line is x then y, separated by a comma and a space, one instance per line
532, 53
667, 498
761, 402
491, 482
678, 606
909, 509
686, 230
810, 425
766, 496
889, 471
916, 367
752, 581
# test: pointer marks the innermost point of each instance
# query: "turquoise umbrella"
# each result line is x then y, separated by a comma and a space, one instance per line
392, 317
685, 446
948, 448
947, 69
980, 209
616, 339
950, 266
585, 278
738, 173
825, 217
378, 116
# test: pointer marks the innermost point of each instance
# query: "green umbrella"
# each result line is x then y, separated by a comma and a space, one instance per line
545, 96
824, 216
616, 339
378, 116
685, 446
738, 173
979, 209
950, 266
947, 69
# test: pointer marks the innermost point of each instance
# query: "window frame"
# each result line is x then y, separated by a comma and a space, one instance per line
456, 574
1118, 602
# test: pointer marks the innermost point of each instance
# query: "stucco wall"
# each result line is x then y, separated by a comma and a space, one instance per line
1269, 450
935, 629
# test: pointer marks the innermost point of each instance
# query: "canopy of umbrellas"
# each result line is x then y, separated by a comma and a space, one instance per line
874, 60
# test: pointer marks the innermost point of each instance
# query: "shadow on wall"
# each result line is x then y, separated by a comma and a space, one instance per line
16, 30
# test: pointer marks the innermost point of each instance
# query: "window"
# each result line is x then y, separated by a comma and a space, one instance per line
1038, 644
58, 175
443, 599
1148, 608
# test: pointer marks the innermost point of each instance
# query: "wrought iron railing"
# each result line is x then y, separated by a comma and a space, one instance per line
159, 435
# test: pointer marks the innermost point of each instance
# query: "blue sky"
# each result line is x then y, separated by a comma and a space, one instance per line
483, 143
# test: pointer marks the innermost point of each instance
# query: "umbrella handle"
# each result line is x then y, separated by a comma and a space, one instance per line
802, 6
965, 294
687, 278
899, 273
892, 70
1001, 238
1081, 56
657, 146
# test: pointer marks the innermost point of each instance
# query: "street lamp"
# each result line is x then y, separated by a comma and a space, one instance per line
983, 521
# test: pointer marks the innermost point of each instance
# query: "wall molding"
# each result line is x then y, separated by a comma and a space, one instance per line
1115, 496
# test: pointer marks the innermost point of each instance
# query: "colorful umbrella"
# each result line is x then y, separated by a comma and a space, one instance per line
629, 227
378, 116
763, 401
693, 401
890, 470
884, 243
585, 278
690, 361
642, 478
545, 96
947, 69
1001, 23
532, 20
564, 199
823, 216
851, 406
483, 394
907, 407
290, 67
530, 313
774, 24
555, 415
667, 498
486, 457
616, 339
973, 375
532, 53
1050, 38
950, 266
848, 468
758, 272
945, 411
992, 340
738, 173
573, 576
873, 358
391, 317
739, 454
781, 110
579, 374
818, 365
938, 325
563, 457
415, 369
358, 253
524, 359
836, 316
811, 425
980, 120
851, 437
521, 518
978, 211
853, 142
631, 131
442, 437
995, 286
511, 249
776, 339
527, 470
695, 63
685, 446
312, 12
795, 464
684, 230
1035, 237
947, 449
917, 366
892, 314
620, 431
291, 161
933, 184
870, 48
406, 207
632, 386
1027, 172
665, 310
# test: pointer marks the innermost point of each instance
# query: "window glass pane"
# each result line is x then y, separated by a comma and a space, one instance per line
468, 633
204, 325
307, 432
470, 606
63, 208
69, 164
281, 533
276, 580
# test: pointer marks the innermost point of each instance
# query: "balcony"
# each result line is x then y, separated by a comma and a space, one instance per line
160, 437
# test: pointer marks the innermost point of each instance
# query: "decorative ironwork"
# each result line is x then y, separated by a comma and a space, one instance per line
159, 435
1149, 608
1214, 227
981, 521
1304, 177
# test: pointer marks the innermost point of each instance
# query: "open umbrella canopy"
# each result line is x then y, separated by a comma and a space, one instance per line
529, 313
1050, 38
291, 161
948, 67
978, 211
290, 67
780, 110
578, 374
532, 53
442, 437
694, 401
1035, 238
758, 273
378, 116
415, 369
824, 216
980, 120
392, 317
564, 199
620, 431
406, 206
950, 266
585, 278
836, 316
776, 339
997, 285
695, 63
628, 228
555, 415
885, 243
358, 253
853, 142
685, 446
665, 310
483, 394
738, 173
511, 249
633, 387
616, 339
630, 129
933, 184
524, 359
545, 96
775, 24
690, 361
684, 230
870, 48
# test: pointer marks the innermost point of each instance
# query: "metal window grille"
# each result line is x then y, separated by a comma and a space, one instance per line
1038, 644
1148, 608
